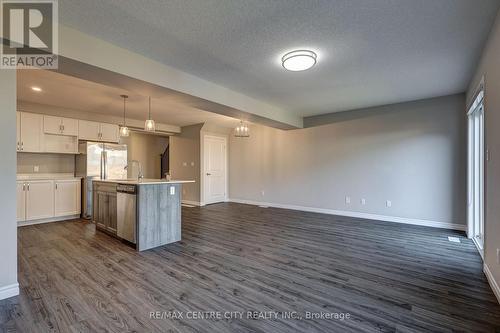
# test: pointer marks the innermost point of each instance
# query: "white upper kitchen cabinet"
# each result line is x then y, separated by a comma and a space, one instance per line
18, 130
31, 132
39, 199
60, 126
88, 130
93, 131
67, 197
21, 201
110, 133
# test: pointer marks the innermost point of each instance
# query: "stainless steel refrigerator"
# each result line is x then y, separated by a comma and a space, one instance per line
99, 161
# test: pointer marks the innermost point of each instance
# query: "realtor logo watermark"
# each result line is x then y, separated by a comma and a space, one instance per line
30, 34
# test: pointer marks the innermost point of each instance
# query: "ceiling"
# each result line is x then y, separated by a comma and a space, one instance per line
369, 52
72, 93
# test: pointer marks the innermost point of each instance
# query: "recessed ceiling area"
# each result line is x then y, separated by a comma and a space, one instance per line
73, 93
369, 52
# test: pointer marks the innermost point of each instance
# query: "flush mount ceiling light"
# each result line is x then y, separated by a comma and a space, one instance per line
150, 125
242, 131
37, 89
124, 130
299, 60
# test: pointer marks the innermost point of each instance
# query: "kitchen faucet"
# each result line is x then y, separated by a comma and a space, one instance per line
140, 175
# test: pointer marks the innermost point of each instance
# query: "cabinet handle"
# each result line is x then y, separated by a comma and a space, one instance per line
22, 145
56, 186
18, 146
28, 187
24, 187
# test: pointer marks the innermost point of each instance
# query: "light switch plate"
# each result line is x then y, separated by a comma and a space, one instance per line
388, 203
363, 201
36, 168
347, 200
172, 190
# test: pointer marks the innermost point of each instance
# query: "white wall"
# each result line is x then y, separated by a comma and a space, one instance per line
489, 67
8, 225
411, 153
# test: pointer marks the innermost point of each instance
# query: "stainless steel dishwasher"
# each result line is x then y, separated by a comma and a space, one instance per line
127, 212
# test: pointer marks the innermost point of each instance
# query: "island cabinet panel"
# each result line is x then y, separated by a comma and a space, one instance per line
104, 207
159, 212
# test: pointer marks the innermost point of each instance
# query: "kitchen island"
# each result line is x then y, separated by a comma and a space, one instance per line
146, 213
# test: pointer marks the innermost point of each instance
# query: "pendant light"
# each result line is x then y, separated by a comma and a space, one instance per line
150, 123
242, 131
124, 130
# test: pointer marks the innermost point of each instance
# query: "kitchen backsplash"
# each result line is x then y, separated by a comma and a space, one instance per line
46, 163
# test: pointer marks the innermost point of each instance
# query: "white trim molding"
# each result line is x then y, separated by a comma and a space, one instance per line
9, 291
396, 219
493, 284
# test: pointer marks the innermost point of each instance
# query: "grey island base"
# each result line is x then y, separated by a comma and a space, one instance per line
145, 213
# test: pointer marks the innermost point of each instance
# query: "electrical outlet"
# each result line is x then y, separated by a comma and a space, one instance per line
184, 164
388, 203
172, 190
192, 164
347, 200
36, 168
363, 201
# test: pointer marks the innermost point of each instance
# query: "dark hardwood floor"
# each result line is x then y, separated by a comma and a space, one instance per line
387, 277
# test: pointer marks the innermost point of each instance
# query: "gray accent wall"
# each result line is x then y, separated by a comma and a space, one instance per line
8, 224
489, 68
412, 154
185, 160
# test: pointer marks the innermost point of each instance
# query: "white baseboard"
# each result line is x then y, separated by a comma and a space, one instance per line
9, 291
49, 220
192, 203
493, 284
427, 223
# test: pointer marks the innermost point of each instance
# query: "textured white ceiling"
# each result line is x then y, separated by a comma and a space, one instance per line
370, 52
72, 93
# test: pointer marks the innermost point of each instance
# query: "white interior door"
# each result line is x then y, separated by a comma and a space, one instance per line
214, 175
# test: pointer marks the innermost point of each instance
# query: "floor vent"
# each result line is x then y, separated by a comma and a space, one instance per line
189, 206
454, 239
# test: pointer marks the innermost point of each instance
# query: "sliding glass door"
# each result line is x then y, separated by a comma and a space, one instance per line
476, 156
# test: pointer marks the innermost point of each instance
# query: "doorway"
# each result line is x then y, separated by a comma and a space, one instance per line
214, 172
476, 157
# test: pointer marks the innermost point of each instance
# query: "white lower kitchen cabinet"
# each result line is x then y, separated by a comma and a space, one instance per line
67, 197
40, 201
21, 201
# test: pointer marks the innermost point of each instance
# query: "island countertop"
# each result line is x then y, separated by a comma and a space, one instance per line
144, 181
